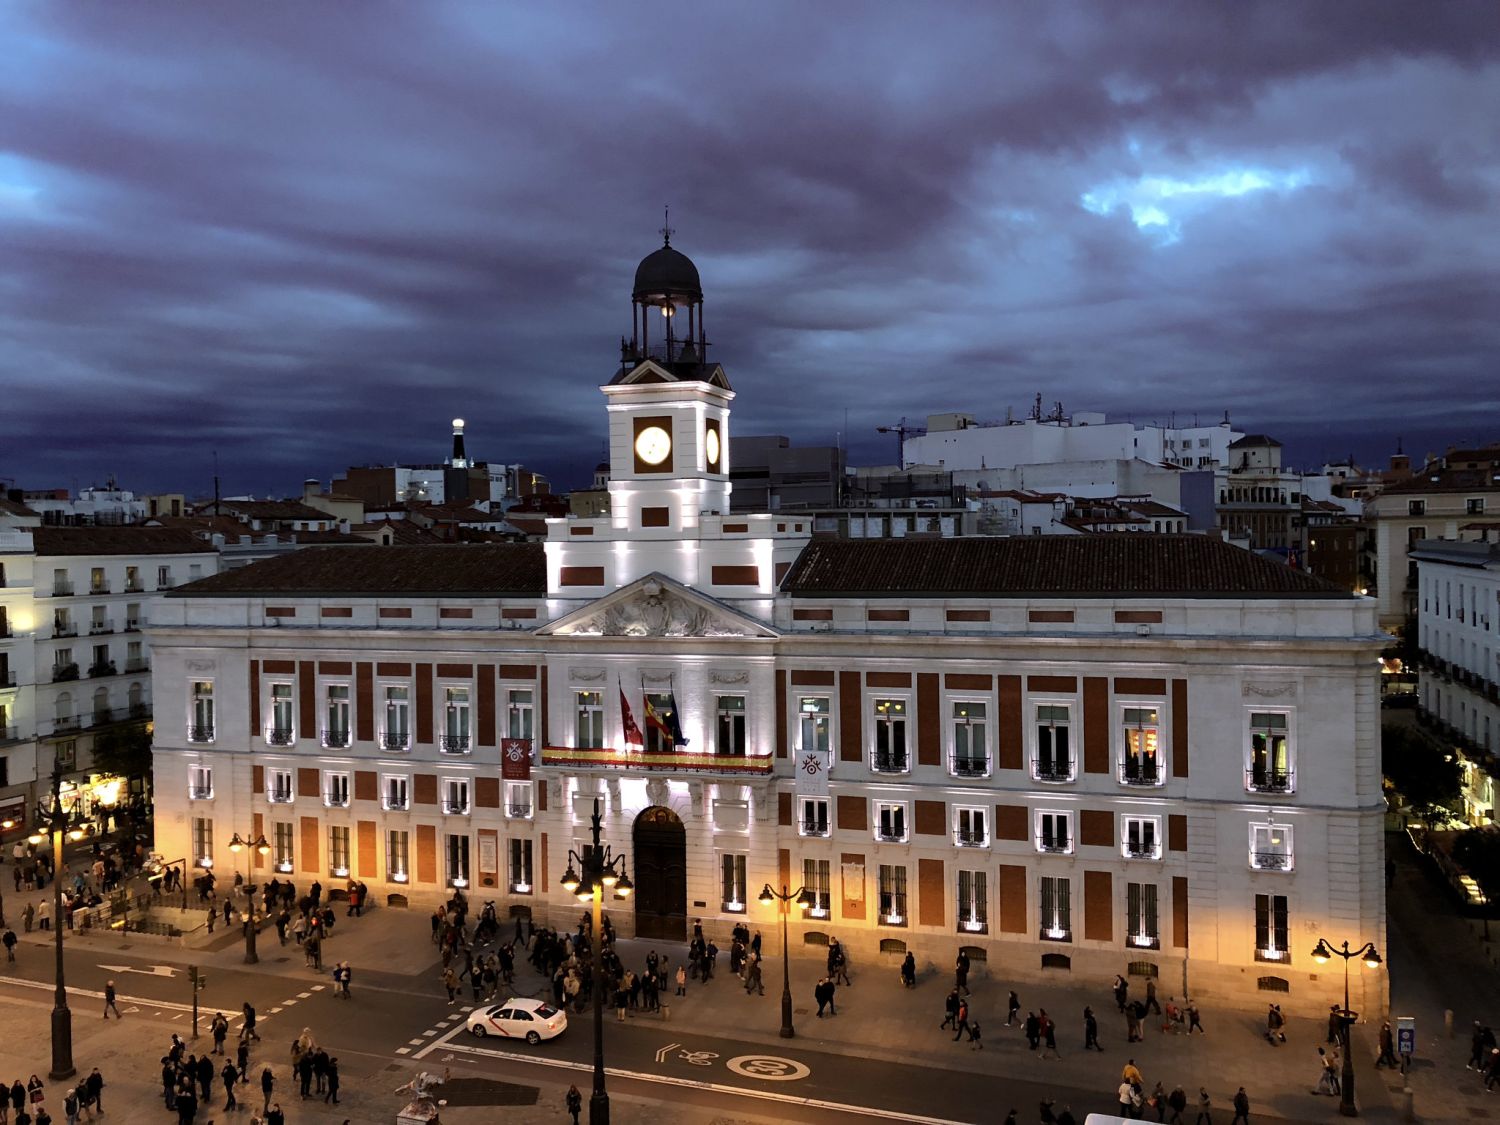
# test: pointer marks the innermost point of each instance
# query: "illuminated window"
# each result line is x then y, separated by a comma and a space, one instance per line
397, 734
1270, 769
816, 879
971, 751
814, 818
971, 827
1271, 847
282, 853
396, 851
457, 855
1054, 747
732, 882
729, 730
890, 821
1056, 909
1271, 931
816, 716
520, 867
590, 719
456, 720
1142, 837
338, 850
973, 902
1141, 930
336, 732
891, 884
890, 736
1141, 751
518, 713
279, 786
335, 790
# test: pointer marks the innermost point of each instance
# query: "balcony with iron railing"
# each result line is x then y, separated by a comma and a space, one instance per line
66, 723
200, 732
1054, 844
61, 588
970, 923
100, 627
1262, 780
455, 744
103, 716
455, 808
280, 736
891, 833
816, 828
336, 800
279, 796
132, 625
395, 740
1052, 769
1135, 771
99, 587
64, 629
136, 665
968, 838
61, 672
891, 761
969, 765
604, 760
397, 804
337, 738
200, 792
1271, 861
133, 586
1142, 849
102, 669
519, 812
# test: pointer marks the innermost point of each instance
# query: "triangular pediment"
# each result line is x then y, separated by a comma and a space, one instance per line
656, 606
650, 371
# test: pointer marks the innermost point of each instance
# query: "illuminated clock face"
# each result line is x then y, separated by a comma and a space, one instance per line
711, 446
653, 445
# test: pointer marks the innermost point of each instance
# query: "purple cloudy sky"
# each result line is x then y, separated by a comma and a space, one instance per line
307, 235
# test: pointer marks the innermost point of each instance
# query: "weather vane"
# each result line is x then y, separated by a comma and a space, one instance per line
666, 231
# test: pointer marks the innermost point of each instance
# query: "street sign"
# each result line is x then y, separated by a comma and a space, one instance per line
1406, 1035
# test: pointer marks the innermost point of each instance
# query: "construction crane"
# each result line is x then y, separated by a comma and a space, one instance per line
901, 430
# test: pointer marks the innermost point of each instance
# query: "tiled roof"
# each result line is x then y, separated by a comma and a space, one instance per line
510, 568
274, 510
14, 507
56, 541
1447, 480
1255, 441
1098, 566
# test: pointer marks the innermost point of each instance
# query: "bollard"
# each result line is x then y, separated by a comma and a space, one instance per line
1448, 1021
666, 1012
1408, 1104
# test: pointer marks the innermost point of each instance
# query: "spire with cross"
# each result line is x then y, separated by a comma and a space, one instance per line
666, 231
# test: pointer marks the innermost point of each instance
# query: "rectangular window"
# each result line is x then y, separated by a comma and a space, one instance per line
1054, 747
396, 852
1474, 506
518, 713
457, 854
816, 718
519, 871
133, 580
815, 878
1054, 832
98, 622
1141, 930
395, 792
1416, 507
397, 734
279, 786
336, 790
590, 720
456, 796
282, 731
1142, 837
1270, 754
200, 782
890, 736
890, 821
518, 799
813, 820
971, 828
730, 728
973, 902
971, 749
1271, 936
284, 845
132, 616
658, 740
164, 578
1141, 761
203, 842
98, 584
338, 850
1057, 909
336, 716
201, 725
891, 884
732, 882
1271, 847
456, 720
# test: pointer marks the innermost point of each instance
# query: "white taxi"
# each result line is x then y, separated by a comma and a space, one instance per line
531, 1020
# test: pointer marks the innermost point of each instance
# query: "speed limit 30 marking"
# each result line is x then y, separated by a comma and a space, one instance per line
768, 1068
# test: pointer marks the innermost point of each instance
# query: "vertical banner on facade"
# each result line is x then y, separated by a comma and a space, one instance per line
812, 772
515, 759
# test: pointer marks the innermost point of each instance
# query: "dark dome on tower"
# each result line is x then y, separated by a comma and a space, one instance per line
667, 272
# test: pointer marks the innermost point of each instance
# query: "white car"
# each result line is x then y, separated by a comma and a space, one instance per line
531, 1020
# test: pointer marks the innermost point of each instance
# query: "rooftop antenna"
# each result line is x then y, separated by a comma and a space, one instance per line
666, 231
216, 483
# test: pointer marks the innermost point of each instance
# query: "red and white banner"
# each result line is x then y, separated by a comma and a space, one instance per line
515, 759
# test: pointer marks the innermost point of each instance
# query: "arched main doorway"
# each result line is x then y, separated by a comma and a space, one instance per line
660, 875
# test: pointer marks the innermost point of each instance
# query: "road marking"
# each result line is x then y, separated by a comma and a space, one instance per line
319, 987
273, 1011
304, 995
429, 1033
153, 971
661, 1055
456, 1029
695, 1084
403, 1050
287, 1003
415, 1042
768, 1068
132, 1008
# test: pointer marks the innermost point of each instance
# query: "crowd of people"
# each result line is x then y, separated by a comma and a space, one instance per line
26, 1103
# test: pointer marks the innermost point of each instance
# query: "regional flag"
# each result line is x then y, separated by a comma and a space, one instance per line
632, 732
676, 731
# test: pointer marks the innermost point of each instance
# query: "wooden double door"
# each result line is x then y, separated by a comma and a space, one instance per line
660, 875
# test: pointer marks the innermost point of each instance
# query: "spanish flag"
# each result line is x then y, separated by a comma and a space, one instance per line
658, 723
632, 732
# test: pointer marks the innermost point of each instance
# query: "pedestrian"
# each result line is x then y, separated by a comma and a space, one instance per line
823, 994
450, 982
1205, 1108
681, 980
1126, 1096
975, 1043
1241, 1107
1013, 1008
1335, 1025
229, 1075
838, 962
950, 1011
961, 973
1090, 1031
247, 1030
213, 917
1049, 1034
94, 1083
1327, 1077
1275, 1021
1122, 992
962, 1023
109, 1000
1033, 1028
242, 1062
9, 941
1151, 1004
332, 1091
1387, 1055
752, 977
574, 1102
1131, 1073
274, 1116
1193, 1018
1177, 1104
267, 1084
909, 971
70, 1106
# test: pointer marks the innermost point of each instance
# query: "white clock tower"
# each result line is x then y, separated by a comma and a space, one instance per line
669, 462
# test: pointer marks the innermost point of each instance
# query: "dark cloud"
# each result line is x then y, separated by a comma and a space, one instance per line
306, 236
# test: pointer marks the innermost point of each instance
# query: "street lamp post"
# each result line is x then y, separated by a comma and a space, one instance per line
785, 898
1322, 953
257, 845
55, 821
600, 868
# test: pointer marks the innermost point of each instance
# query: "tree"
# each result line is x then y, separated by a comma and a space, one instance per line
124, 751
1429, 777
1477, 851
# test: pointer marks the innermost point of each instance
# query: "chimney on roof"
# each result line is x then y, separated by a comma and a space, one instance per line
311, 487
